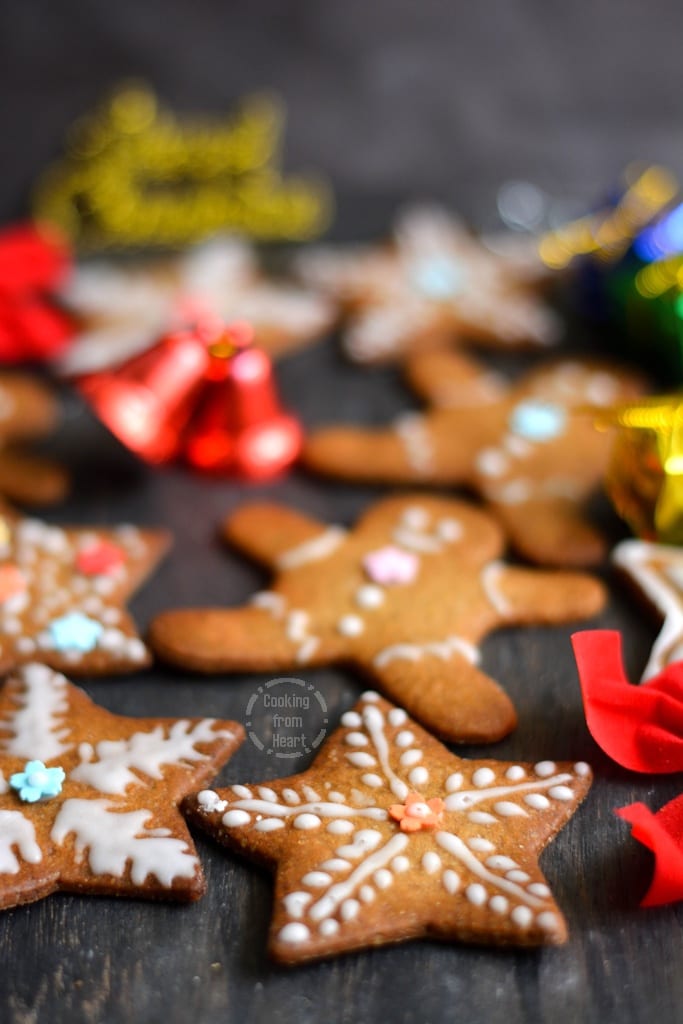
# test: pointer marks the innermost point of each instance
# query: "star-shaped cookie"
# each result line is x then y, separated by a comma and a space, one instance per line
406, 597
124, 310
390, 837
89, 799
434, 285
528, 448
62, 594
28, 411
656, 572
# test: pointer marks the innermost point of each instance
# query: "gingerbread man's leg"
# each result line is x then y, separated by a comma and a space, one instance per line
551, 531
31, 480
444, 691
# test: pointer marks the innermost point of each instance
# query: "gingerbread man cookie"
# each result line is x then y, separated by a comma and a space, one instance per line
125, 310
434, 286
89, 800
528, 448
390, 837
62, 594
406, 596
28, 411
656, 572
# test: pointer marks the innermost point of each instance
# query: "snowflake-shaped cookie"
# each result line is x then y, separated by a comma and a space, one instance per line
62, 594
114, 826
435, 285
529, 448
28, 411
656, 571
337, 599
124, 310
390, 837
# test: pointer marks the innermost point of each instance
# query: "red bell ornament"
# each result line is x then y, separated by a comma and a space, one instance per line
239, 426
147, 402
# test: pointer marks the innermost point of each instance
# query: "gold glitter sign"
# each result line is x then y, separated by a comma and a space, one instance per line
135, 175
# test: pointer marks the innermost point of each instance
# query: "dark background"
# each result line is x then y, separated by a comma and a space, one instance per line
390, 101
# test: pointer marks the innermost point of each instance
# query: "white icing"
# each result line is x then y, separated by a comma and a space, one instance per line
515, 773
455, 846
369, 595
296, 902
451, 881
356, 739
350, 625
419, 776
113, 840
351, 719
467, 798
269, 824
361, 759
37, 724
483, 777
508, 809
439, 649
490, 579
397, 717
320, 547
431, 862
294, 932
17, 833
236, 818
307, 821
545, 768
410, 757
342, 890
413, 431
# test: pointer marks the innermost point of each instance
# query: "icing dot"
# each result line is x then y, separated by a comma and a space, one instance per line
361, 759
207, 799
351, 719
537, 801
522, 916
368, 838
267, 793
582, 769
328, 927
547, 921
339, 827
419, 776
508, 809
350, 625
269, 824
336, 798
482, 845
492, 462
295, 902
370, 596
336, 864
515, 773
451, 881
404, 738
411, 757
539, 889
517, 876
431, 862
349, 909
370, 696
545, 768
294, 932
356, 739
236, 817
400, 864
449, 529
366, 893
290, 796
242, 792
483, 777
476, 894
561, 793
372, 780
481, 818
415, 517
397, 716
307, 821
317, 879
383, 878
500, 863
498, 904
454, 781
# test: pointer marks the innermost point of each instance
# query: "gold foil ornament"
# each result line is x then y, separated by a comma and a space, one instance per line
645, 476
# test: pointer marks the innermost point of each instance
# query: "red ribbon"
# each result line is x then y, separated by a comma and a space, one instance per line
639, 727
32, 265
663, 834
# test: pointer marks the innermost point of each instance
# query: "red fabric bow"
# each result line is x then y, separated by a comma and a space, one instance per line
33, 263
663, 834
639, 727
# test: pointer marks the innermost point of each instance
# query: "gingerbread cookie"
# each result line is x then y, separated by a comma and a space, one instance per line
28, 411
656, 572
390, 837
89, 800
62, 594
527, 448
406, 596
125, 310
435, 285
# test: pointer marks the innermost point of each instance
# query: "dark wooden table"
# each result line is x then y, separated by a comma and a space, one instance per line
104, 961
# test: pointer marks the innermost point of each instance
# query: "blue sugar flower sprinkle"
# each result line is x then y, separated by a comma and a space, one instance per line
75, 632
37, 782
538, 421
438, 277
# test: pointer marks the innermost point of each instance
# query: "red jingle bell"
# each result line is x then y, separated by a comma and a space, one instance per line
147, 401
240, 426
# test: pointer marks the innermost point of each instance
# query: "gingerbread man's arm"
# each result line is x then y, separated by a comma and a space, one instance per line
536, 597
443, 690
451, 380
31, 480
277, 536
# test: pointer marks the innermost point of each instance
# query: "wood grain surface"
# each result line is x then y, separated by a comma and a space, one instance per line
103, 961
